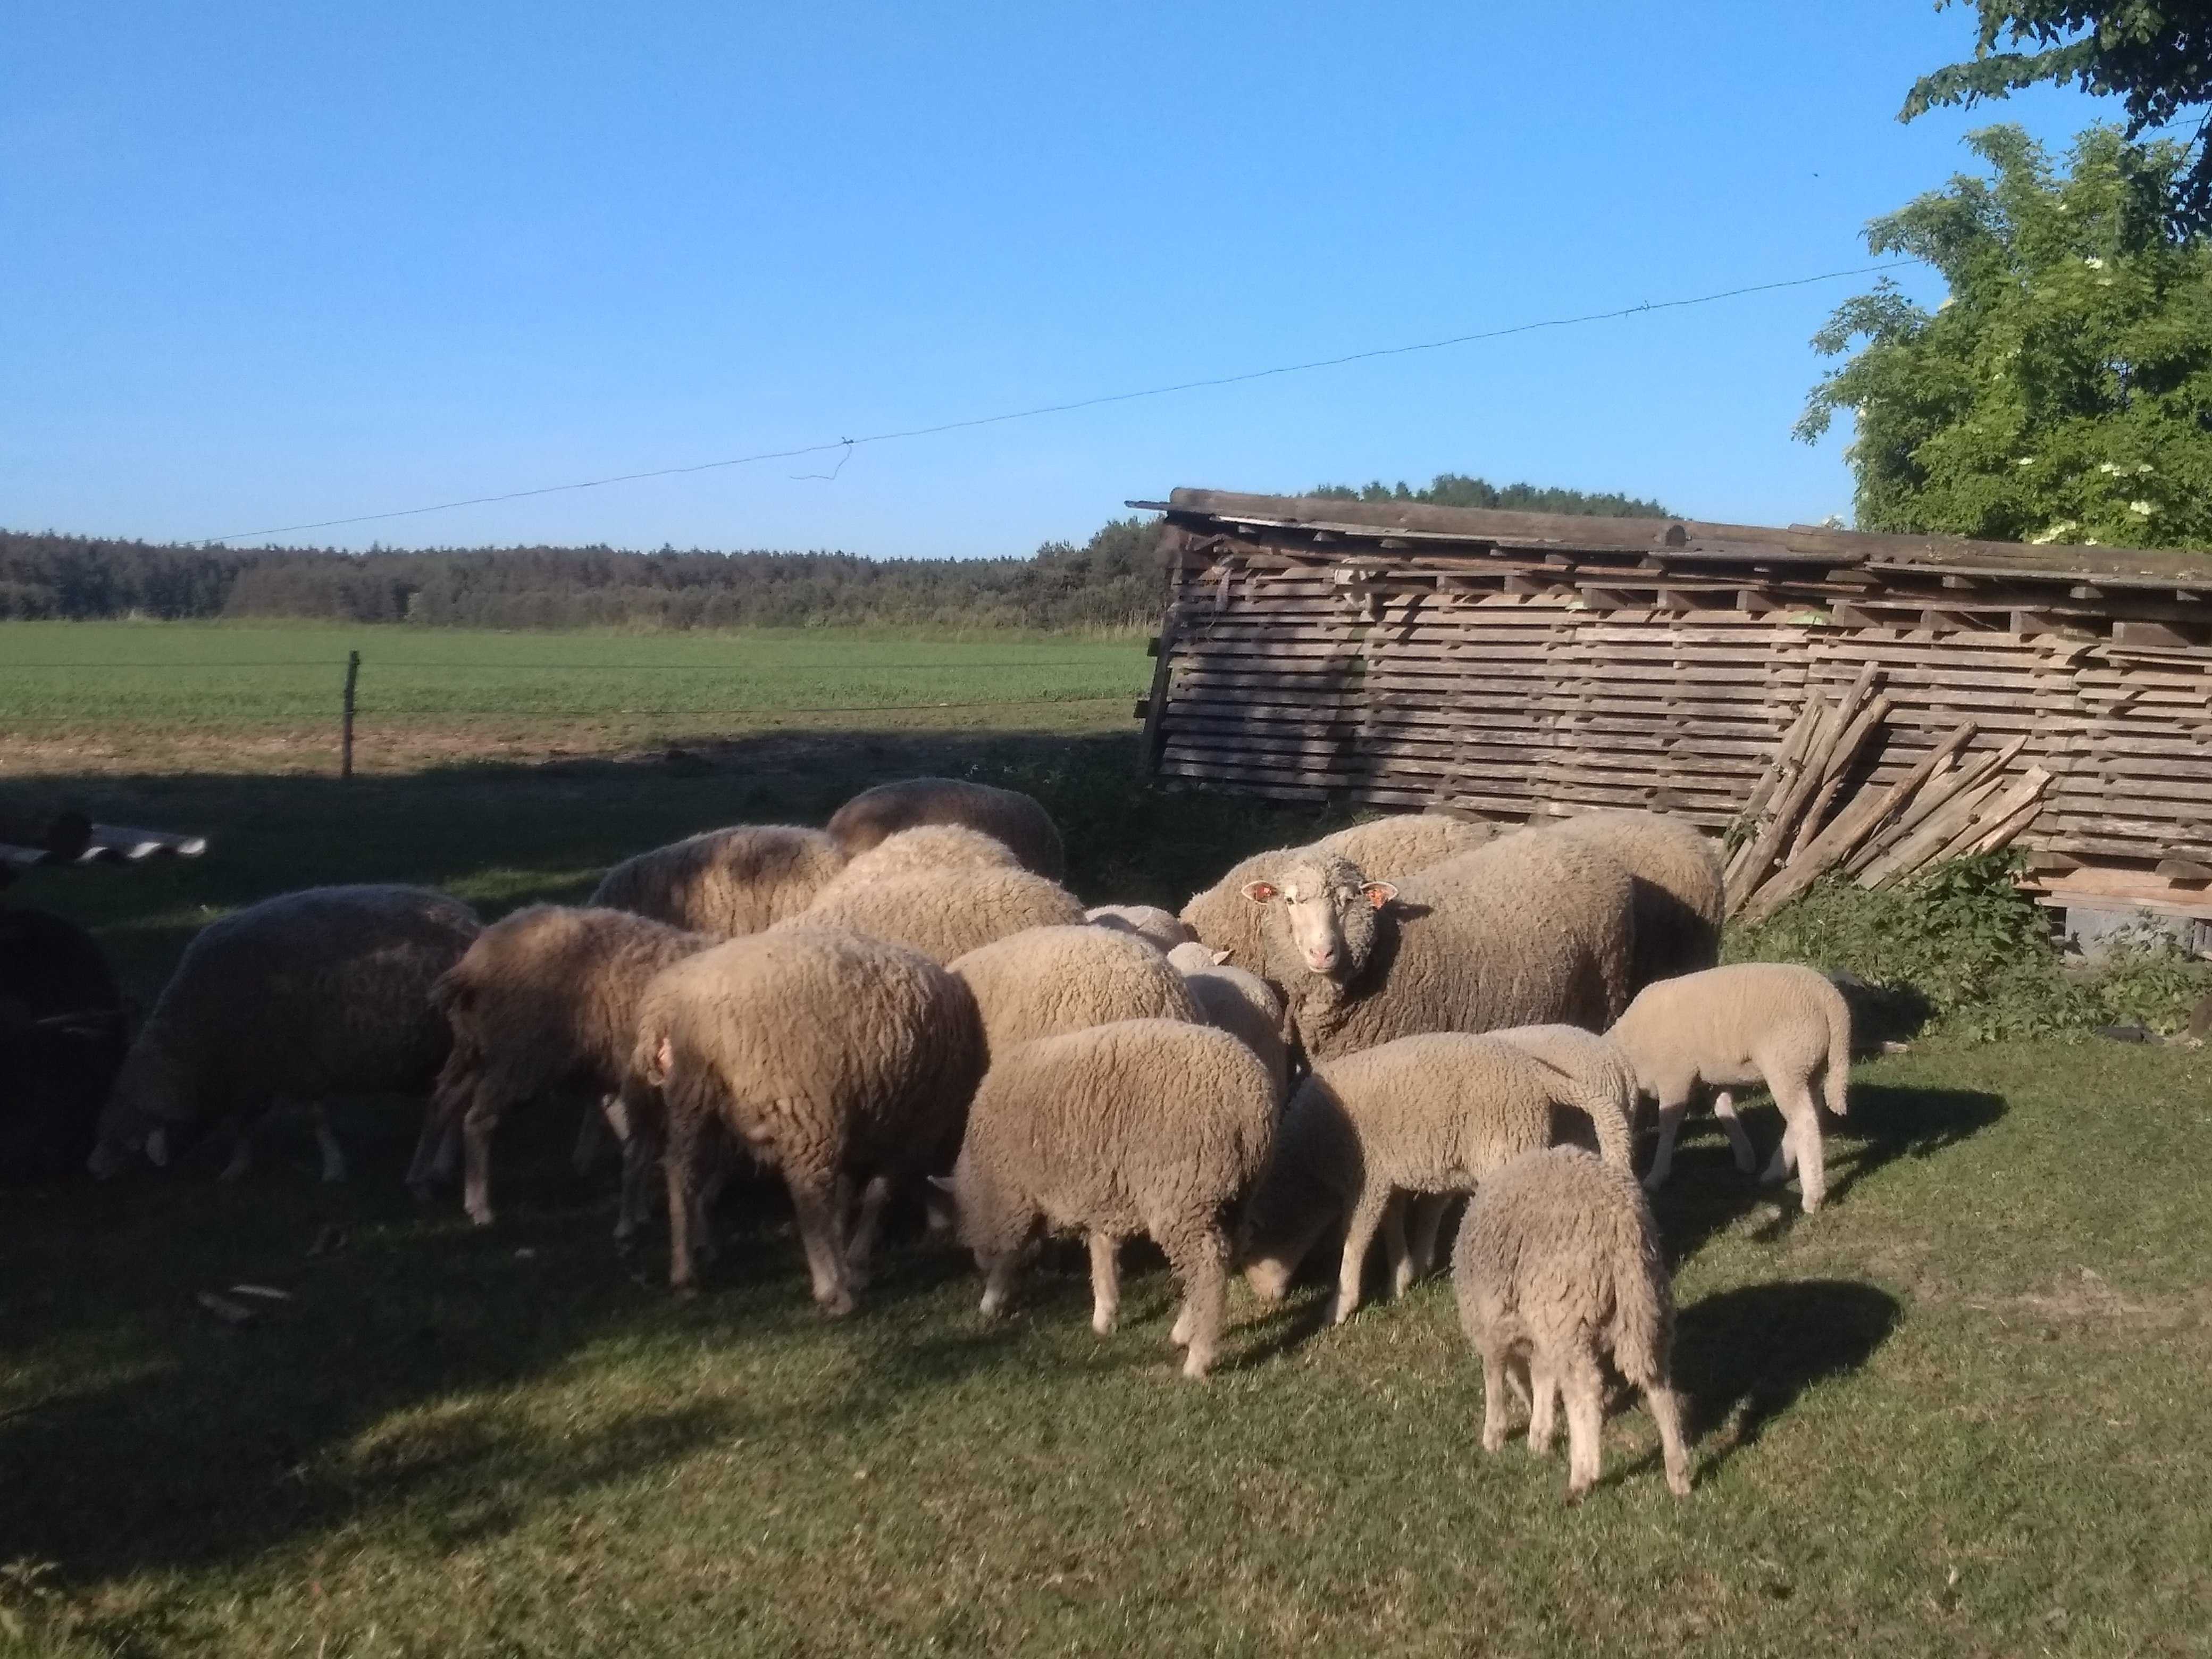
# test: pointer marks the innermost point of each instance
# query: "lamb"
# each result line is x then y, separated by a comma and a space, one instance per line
546, 998
724, 882
1752, 1022
1161, 929
1013, 817
944, 912
1146, 1126
1589, 1075
1527, 931
833, 1057
304, 996
1431, 1114
1557, 1263
1680, 893
1044, 981
1387, 849
1239, 1003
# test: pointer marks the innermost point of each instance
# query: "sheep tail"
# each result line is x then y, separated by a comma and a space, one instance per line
1836, 1086
1596, 1103
1643, 1313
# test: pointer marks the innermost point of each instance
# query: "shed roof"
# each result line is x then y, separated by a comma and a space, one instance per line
1690, 541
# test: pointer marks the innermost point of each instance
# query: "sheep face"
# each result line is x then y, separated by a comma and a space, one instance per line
1326, 910
146, 1103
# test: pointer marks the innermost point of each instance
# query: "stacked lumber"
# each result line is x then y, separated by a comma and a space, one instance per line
1793, 831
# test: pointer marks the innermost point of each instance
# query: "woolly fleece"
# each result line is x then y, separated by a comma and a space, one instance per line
724, 882
1680, 892
945, 913
1016, 819
1044, 981
1161, 929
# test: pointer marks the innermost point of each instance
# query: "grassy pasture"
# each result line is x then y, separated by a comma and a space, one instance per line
1960, 1411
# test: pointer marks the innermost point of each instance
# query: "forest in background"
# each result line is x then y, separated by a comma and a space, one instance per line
1116, 578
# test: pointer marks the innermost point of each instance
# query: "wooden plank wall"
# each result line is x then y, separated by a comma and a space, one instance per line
1417, 679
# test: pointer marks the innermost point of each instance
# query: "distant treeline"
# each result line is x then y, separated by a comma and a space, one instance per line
1113, 579
1456, 489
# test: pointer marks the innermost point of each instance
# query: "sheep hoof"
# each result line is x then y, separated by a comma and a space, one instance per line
1103, 1322
684, 1292
481, 1215
1747, 1161
1194, 1367
837, 1306
1678, 1482
1656, 1180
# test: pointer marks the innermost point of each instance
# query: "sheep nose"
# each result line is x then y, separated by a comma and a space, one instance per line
1322, 961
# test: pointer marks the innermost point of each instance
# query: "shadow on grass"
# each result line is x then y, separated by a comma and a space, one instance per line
1742, 1357
1707, 1195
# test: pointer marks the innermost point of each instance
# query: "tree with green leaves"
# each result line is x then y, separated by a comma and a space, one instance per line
2155, 55
2063, 391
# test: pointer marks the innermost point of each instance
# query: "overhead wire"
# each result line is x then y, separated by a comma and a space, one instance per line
848, 445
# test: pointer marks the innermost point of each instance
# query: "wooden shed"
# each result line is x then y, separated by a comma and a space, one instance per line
1519, 666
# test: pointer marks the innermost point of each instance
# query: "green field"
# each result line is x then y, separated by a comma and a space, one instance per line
1958, 1412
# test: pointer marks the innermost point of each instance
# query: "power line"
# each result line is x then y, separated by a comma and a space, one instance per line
850, 444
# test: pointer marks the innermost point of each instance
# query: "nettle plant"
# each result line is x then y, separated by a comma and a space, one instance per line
2063, 393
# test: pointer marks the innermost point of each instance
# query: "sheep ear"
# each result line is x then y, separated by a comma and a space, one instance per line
1260, 892
1379, 893
662, 1063
1220, 957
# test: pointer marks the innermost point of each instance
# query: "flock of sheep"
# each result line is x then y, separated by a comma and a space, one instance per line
1350, 1034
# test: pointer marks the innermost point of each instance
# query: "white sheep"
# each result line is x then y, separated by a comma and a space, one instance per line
1146, 1126
1240, 1004
944, 911
724, 882
1386, 849
1044, 981
544, 1000
1558, 1267
1431, 1114
1728, 1027
1526, 930
1161, 929
927, 847
1681, 896
834, 1058
1013, 817
302, 997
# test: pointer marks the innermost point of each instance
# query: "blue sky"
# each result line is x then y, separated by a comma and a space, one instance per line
264, 264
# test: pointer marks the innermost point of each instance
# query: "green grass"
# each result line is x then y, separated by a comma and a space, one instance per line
213, 675
1958, 1412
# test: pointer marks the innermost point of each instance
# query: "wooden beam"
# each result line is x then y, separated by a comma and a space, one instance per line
2182, 870
2150, 633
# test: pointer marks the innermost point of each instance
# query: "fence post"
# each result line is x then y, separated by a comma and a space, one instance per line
345, 728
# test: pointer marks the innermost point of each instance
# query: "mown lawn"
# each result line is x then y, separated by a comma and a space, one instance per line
1958, 1412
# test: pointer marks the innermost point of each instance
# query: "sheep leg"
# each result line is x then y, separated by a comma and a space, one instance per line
821, 1227
1497, 1382
1584, 1388
1543, 1394
999, 1282
1671, 1114
334, 1158
1105, 1282
1747, 1160
677, 1160
1394, 1245
1203, 1267
422, 1168
638, 1153
873, 1197
1425, 1223
1366, 1217
477, 1124
591, 1133
1802, 1136
1666, 1407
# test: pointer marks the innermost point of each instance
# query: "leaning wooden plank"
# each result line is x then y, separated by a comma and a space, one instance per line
1836, 769
1933, 836
2026, 791
1940, 792
1835, 728
1851, 826
1791, 767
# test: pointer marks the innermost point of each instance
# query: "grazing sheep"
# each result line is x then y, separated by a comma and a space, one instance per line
301, 997
1432, 1114
1149, 1126
545, 1000
1161, 929
724, 882
944, 912
833, 1057
1680, 894
1387, 849
1558, 1264
1015, 818
1752, 1022
1524, 931
1239, 1003
62, 1039
1044, 981
1590, 1075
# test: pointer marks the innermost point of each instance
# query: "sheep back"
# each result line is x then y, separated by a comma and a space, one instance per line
305, 996
928, 846
1019, 820
1242, 1005
1162, 930
1045, 981
724, 882
1593, 1077
1680, 892
945, 913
